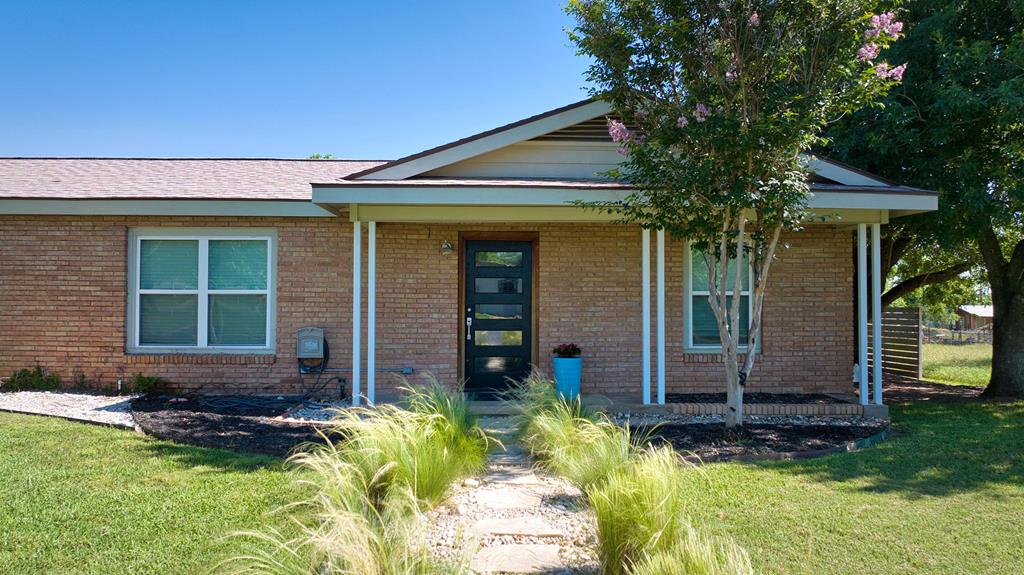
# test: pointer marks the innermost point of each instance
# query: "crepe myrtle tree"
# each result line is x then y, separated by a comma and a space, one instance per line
715, 101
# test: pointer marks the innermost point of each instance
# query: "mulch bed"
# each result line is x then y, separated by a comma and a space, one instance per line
773, 398
222, 423
713, 442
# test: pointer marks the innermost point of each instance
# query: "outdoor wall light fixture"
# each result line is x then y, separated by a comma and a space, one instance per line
446, 248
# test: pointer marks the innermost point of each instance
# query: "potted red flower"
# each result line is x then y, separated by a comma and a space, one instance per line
568, 367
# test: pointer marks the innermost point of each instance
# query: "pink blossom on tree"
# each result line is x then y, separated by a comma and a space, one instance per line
754, 20
867, 52
701, 112
884, 24
682, 122
897, 72
618, 131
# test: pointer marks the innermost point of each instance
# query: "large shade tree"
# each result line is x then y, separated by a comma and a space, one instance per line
716, 102
956, 125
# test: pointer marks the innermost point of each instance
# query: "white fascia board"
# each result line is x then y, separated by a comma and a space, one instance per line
461, 196
838, 173
282, 208
515, 196
492, 142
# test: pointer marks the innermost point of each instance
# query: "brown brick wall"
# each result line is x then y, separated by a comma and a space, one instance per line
62, 304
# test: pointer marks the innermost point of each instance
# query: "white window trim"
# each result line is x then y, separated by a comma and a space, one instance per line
688, 295
203, 236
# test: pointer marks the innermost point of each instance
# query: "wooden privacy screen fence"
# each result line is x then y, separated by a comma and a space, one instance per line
901, 343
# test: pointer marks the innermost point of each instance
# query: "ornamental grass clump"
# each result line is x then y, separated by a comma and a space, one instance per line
583, 447
348, 530
424, 448
695, 553
377, 470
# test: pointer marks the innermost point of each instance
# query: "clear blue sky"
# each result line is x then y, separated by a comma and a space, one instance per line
366, 79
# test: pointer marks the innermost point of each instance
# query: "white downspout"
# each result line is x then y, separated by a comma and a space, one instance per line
876, 307
357, 288
645, 305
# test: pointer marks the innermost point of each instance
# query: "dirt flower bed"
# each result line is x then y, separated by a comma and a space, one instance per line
223, 423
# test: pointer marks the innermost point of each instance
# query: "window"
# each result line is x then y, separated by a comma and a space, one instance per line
205, 291
701, 325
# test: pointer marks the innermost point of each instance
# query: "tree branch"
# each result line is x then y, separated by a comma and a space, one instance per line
919, 281
995, 262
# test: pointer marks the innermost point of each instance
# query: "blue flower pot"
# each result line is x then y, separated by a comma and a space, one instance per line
568, 372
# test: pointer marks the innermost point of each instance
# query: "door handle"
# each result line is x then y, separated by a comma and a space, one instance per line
469, 325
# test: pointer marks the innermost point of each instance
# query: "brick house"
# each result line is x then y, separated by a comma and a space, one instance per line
466, 261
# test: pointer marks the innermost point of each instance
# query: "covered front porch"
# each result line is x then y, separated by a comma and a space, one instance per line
617, 287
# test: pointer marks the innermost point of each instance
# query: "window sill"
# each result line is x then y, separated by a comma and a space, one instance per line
200, 357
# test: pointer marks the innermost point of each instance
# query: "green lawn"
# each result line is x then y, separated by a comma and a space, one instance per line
958, 364
944, 495
78, 498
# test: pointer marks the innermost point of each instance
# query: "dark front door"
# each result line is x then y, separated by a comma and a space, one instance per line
499, 292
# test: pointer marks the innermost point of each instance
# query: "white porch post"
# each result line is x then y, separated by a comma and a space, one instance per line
862, 312
371, 312
661, 317
357, 288
876, 308
645, 305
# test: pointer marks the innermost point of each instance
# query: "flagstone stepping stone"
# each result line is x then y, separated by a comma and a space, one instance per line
514, 476
521, 558
507, 498
532, 526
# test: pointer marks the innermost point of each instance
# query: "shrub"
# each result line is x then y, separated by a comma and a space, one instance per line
145, 383
36, 379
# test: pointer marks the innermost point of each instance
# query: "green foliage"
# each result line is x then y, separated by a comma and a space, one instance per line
394, 449
145, 383
956, 125
638, 509
352, 532
717, 102
634, 491
369, 487
722, 98
696, 553
319, 156
35, 379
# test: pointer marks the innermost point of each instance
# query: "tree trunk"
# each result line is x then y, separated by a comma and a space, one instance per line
1006, 278
1008, 349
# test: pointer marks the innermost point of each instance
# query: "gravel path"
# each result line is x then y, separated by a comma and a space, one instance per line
514, 519
106, 409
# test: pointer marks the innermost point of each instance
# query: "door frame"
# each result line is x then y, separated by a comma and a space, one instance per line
533, 238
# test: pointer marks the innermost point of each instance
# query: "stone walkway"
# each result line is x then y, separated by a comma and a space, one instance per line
106, 409
514, 519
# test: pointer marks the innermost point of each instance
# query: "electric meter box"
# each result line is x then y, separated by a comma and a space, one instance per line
309, 343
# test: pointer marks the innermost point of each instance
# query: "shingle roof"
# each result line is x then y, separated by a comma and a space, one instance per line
177, 178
